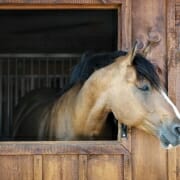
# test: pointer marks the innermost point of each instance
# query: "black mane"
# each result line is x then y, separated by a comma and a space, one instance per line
91, 62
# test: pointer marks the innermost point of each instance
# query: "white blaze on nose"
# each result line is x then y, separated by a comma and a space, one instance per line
171, 104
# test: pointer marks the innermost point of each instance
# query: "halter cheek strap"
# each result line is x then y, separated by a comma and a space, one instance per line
122, 131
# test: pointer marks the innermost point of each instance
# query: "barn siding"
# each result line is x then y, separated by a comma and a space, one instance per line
64, 161
173, 47
149, 159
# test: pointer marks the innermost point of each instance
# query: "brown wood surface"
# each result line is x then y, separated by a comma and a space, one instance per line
60, 167
16, 167
61, 1
57, 6
148, 158
37, 167
92, 163
171, 45
83, 166
62, 147
105, 167
173, 42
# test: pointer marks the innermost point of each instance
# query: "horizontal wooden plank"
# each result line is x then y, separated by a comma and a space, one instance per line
57, 6
178, 14
62, 147
178, 7
177, 24
61, 1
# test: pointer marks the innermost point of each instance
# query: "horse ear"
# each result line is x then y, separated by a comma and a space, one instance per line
132, 53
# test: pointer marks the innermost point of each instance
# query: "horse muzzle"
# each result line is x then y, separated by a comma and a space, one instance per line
169, 134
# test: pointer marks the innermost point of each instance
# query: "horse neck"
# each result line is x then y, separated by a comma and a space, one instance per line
91, 107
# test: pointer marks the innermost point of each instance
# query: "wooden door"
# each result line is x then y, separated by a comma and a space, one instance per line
64, 161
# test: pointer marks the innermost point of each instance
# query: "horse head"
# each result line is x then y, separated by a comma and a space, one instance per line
141, 101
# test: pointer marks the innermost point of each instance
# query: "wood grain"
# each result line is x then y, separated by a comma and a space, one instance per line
56, 6
37, 167
105, 167
148, 158
16, 167
92, 161
128, 167
62, 147
171, 45
62, 167
83, 167
173, 42
61, 1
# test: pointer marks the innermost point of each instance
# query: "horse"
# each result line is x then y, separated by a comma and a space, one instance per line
125, 84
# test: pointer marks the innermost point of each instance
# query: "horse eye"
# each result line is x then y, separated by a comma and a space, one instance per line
144, 88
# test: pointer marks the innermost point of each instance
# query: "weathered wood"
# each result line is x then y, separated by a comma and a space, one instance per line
61, 1
62, 147
148, 158
16, 167
171, 45
105, 167
37, 167
126, 24
173, 33
63, 160
172, 173
127, 168
83, 165
52, 168
56, 6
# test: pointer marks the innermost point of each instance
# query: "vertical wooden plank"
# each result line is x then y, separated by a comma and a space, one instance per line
178, 164
60, 167
126, 36
125, 43
52, 167
176, 154
148, 158
16, 167
105, 167
173, 79
172, 165
83, 167
70, 167
127, 168
37, 167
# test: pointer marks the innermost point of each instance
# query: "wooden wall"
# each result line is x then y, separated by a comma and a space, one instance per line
173, 49
64, 161
150, 161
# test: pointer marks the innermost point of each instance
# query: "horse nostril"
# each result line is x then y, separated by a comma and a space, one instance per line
177, 130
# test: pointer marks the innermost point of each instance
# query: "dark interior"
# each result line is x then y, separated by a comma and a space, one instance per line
58, 31
38, 49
